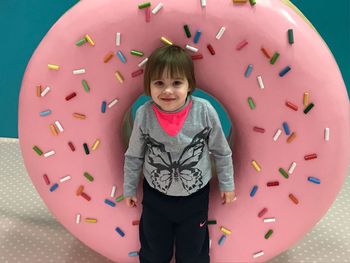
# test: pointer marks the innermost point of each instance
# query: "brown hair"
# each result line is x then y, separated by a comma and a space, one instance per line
175, 60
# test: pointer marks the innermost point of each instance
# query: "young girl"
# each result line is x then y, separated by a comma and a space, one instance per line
170, 142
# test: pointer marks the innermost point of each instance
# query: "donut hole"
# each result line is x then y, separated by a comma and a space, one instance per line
224, 118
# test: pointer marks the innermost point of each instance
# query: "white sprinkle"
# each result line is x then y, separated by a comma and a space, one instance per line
114, 188
49, 153
277, 134
143, 62
77, 219
258, 254
112, 103
209, 243
204, 3
292, 167
193, 49
45, 91
326, 134
66, 178
261, 83
117, 39
269, 220
59, 126
157, 8
220, 33
79, 71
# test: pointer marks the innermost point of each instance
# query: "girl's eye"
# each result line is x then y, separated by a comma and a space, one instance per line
177, 83
158, 83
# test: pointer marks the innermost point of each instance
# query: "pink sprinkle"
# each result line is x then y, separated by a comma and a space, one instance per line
137, 73
148, 14
242, 45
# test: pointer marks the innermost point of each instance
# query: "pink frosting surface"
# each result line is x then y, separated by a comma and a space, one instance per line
313, 70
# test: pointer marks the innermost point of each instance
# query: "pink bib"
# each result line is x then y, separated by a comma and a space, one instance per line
172, 122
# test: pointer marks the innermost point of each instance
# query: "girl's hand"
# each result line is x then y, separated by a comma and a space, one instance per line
228, 197
131, 201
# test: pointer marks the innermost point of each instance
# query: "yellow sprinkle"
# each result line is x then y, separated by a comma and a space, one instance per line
90, 220
166, 41
54, 67
53, 130
306, 98
88, 38
225, 231
79, 116
256, 166
96, 144
119, 77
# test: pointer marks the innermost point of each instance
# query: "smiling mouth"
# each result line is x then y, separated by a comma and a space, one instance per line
167, 99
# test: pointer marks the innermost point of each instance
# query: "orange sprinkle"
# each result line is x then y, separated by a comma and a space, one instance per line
38, 91
108, 57
53, 130
294, 199
266, 53
80, 190
79, 116
291, 137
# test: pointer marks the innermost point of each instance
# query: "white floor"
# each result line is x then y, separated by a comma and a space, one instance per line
29, 233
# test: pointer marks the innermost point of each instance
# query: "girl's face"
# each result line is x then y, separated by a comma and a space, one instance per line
169, 93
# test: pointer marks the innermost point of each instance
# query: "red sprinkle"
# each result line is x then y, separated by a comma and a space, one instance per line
198, 56
70, 96
211, 49
85, 196
71, 146
258, 129
310, 156
135, 222
274, 183
262, 212
292, 106
137, 73
47, 180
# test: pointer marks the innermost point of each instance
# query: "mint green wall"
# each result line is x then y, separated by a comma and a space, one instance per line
24, 23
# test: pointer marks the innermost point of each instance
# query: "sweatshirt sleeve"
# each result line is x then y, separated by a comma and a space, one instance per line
134, 158
220, 149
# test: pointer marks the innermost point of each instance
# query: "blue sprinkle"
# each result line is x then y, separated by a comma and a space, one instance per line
255, 188
45, 113
104, 106
109, 202
314, 180
133, 254
248, 71
286, 128
121, 57
54, 187
120, 232
197, 36
222, 239
284, 71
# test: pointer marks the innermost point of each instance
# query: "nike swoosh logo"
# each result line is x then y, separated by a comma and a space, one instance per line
202, 224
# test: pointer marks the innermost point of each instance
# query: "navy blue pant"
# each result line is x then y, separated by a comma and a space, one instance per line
168, 220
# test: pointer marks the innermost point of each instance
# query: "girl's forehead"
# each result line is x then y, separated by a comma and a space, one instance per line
168, 74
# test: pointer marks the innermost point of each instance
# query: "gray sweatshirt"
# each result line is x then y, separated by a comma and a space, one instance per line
178, 165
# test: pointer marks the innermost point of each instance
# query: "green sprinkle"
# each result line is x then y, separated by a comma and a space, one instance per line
212, 222
85, 85
268, 234
136, 53
284, 173
309, 107
119, 198
86, 148
144, 5
81, 42
37, 150
251, 103
274, 58
252, 2
290, 36
187, 31
88, 176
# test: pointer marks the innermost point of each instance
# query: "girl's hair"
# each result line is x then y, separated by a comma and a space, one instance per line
175, 60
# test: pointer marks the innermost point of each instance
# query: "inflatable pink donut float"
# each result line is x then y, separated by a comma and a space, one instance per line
263, 61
